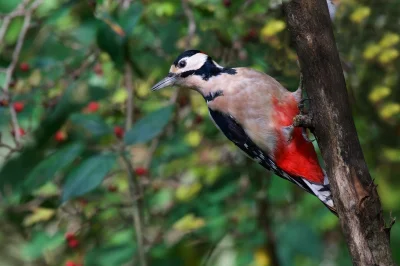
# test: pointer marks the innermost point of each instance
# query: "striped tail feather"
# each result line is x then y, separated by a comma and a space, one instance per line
323, 192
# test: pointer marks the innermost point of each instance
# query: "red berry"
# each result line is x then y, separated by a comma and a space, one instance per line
83, 202
251, 35
21, 132
12, 84
92, 107
183, 101
112, 188
98, 69
3, 102
140, 171
227, 3
60, 136
198, 119
73, 243
24, 66
18, 106
70, 263
119, 132
69, 236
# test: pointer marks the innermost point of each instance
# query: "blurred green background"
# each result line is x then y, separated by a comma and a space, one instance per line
81, 175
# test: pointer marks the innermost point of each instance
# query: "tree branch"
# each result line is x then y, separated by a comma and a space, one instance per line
15, 57
129, 90
265, 219
191, 23
136, 209
354, 192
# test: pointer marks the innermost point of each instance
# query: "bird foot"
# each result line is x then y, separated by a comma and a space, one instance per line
288, 132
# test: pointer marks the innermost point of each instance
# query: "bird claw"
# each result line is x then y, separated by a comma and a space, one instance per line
288, 132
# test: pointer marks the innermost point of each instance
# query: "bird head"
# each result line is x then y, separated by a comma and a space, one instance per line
190, 69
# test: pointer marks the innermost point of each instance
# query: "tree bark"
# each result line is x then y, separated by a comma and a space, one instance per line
354, 192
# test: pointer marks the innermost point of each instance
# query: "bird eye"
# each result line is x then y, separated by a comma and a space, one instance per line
182, 64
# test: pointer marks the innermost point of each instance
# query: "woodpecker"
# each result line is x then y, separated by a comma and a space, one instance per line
256, 113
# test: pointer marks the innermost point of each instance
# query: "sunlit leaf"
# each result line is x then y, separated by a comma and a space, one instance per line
38, 215
13, 30
189, 222
360, 14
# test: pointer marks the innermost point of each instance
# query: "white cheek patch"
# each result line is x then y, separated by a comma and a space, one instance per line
193, 63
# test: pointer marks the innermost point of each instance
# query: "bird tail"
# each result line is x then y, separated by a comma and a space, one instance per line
323, 192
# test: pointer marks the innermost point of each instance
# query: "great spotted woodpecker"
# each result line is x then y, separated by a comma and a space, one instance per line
256, 113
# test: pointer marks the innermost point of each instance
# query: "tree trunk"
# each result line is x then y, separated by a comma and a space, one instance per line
354, 192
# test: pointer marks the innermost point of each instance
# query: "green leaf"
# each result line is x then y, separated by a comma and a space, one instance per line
149, 126
110, 41
13, 30
87, 176
47, 168
8, 6
113, 35
12, 174
91, 125
130, 17
41, 242
112, 255
292, 236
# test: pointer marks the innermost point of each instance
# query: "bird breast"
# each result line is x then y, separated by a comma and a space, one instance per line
248, 97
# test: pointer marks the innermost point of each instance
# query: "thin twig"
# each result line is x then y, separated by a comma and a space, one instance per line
245, 5
91, 58
19, 11
134, 186
129, 90
15, 57
125, 4
191, 22
136, 210
10, 71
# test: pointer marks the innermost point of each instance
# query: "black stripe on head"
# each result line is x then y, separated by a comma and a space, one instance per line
208, 70
187, 53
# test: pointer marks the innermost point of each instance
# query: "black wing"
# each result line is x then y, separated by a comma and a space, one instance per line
235, 133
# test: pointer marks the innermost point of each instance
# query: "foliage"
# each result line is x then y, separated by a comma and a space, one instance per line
78, 167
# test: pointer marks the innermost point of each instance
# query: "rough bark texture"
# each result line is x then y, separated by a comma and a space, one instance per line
354, 192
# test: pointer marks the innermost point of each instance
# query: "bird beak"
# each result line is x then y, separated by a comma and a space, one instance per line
165, 82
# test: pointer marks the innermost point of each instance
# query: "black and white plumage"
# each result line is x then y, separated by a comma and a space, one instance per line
255, 112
